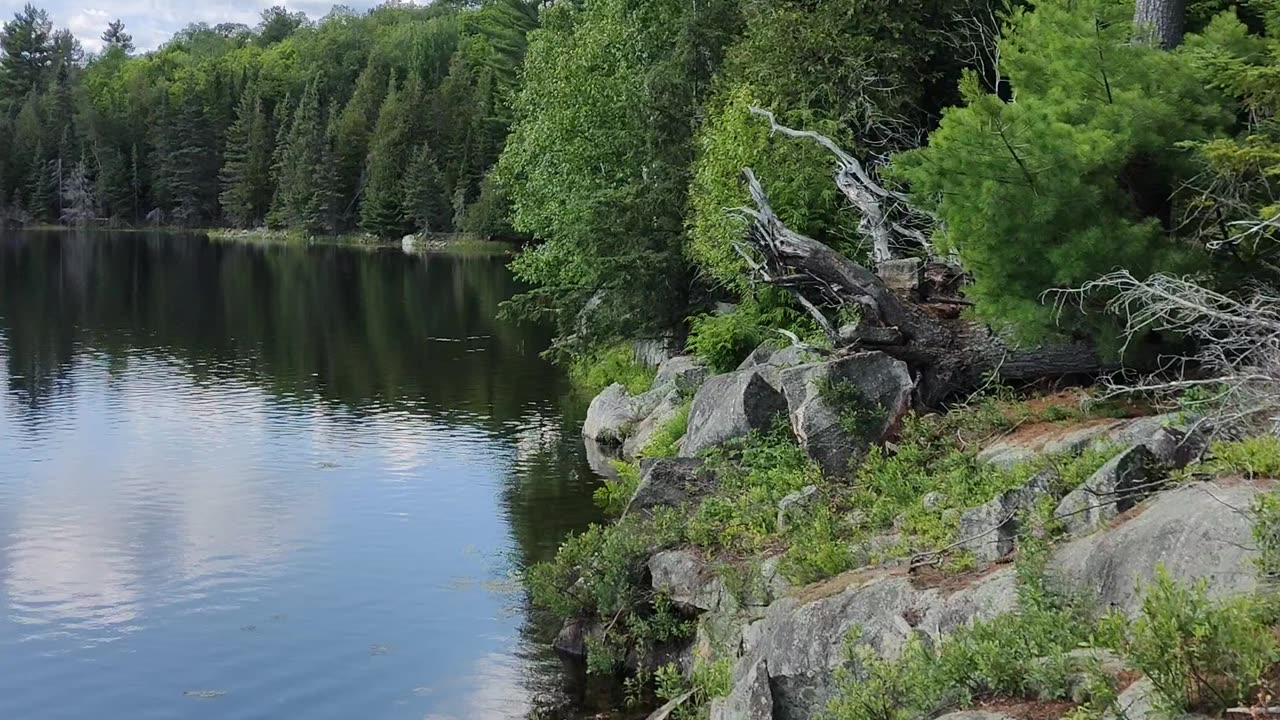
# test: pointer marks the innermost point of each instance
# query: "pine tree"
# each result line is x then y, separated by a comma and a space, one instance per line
246, 174
426, 201
79, 203
115, 36
26, 53
383, 212
300, 155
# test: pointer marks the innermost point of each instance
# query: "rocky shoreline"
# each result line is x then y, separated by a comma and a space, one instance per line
787, 643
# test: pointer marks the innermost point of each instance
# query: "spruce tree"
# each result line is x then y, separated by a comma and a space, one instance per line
298, 158
39, 186
190, 170
322, 213
246, 174
114, 186
352, 142
426, 200
382, 212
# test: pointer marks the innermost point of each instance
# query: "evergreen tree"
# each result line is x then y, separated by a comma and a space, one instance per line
26, 53
190, 170
114, 184
426, 201
246, 172
115, 36
382, 212
40, 186
299, 157
353, 131
322, 213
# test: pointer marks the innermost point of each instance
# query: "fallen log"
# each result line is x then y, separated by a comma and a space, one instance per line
948, 354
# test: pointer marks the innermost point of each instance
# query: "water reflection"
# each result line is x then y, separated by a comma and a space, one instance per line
242, 481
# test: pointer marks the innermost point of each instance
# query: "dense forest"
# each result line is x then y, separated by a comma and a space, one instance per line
1030, 145
385, 121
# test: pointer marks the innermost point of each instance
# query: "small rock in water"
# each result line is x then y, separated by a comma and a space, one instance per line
204, 694
248, 628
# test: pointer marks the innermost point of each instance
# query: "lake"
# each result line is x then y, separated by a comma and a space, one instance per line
243, 481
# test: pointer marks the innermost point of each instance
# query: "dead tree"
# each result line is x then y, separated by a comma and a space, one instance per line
889, 221
947, 353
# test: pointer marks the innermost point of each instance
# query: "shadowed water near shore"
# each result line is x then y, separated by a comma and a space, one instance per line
251, 481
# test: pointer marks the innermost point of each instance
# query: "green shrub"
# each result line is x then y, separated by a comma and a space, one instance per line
754, 474
665, 442
1255, 457
1266, 535
723, 340
1199, 653
1020, 654
597, 371
612, 497
818, 548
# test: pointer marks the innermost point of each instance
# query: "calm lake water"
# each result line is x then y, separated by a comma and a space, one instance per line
272, 482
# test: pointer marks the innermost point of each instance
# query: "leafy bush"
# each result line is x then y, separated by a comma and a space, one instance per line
1200, 653
1266, 534
1021, 654
754, 473
617, 364
819, 548
612, 497
1255, 457
666, 440
724, 340
598, 574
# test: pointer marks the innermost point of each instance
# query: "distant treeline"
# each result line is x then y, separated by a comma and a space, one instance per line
385, 121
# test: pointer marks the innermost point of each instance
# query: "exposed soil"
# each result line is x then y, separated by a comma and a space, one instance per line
1027, 709
929, 577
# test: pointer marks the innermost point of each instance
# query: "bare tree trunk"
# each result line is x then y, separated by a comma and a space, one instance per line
1160, 22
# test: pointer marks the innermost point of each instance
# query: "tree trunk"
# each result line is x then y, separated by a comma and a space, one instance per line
947, 354
1160, 22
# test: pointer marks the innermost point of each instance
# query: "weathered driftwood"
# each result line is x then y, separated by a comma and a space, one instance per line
948, 353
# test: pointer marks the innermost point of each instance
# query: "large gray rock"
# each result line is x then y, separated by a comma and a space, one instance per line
1166, 436
770, 361
990, 531
571, 642
802, 638
610, 416
671, 482
877, 391
750, 698
1196, 532
685, 372
689, 581
730, 406
656, 420
1114, 488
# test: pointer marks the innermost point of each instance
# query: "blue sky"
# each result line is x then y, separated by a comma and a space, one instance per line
151, 22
